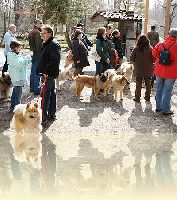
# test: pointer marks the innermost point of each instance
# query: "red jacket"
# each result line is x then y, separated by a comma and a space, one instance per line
163, 71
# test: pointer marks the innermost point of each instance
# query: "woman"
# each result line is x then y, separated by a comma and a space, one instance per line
143, 63
102, 51
80, 53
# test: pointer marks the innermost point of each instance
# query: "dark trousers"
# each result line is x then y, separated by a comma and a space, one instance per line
48, 98
16, 97
5, 67
34, 78
101, 67
139, 86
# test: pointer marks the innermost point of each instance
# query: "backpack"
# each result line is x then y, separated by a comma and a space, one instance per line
164, 57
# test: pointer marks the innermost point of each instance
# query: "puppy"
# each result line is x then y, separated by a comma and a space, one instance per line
66, 74
27, 118
5, 84
94, 82
117, 82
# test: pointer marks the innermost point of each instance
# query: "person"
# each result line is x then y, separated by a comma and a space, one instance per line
80, 53
110, 46
153, 36
8, 38
165, 75
35, 43
48, 67
118, 44
85, 39
143, 63
101, 50
17, 69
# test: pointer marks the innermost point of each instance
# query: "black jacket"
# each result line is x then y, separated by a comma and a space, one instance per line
79, 52
49, 59
117, 42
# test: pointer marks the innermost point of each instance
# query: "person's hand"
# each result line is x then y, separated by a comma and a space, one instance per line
78, 61
30, 53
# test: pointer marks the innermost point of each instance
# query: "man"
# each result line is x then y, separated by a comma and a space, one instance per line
8, 38
165, 75
153, 36
48, 67
35, 43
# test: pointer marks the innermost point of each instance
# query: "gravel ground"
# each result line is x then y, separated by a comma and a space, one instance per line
107, 149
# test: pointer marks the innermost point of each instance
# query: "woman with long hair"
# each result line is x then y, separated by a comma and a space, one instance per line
143, 63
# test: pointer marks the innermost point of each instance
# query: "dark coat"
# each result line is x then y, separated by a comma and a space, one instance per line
101, 48
153, 36
79, 52
49, 59
143, 62
35, 42
118, 46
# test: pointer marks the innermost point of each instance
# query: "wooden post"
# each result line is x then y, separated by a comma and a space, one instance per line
167, 17
146, 11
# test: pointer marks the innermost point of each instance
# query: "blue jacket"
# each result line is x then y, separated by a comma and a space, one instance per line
8, 38
18, 67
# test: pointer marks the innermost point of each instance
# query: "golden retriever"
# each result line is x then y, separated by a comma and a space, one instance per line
94, 82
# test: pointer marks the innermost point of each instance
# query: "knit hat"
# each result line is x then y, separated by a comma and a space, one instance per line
173, 32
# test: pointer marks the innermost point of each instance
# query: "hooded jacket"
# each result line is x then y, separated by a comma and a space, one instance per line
164, 71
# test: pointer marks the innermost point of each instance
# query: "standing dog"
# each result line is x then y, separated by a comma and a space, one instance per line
117, 82
5, 84
94, 82
65, 74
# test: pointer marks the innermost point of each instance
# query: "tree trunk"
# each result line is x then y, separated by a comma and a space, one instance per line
67, 37
167, 17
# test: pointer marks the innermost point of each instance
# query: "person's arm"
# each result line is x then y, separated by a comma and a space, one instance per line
7, 41
99, 50
75, 50
155, 51
54, 59
38, 43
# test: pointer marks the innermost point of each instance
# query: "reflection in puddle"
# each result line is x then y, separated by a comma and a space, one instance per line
89, 174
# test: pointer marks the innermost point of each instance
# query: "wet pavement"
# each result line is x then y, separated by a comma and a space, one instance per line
95, 150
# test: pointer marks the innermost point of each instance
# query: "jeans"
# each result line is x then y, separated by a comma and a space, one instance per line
101, 67
34, 78
16, 97
164, 89
48, 98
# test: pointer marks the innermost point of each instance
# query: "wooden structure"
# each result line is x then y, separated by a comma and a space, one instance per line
129, 25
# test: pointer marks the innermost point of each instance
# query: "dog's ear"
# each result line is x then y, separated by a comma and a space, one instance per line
36, 105
28, 105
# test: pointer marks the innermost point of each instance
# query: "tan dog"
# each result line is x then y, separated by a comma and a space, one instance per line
117, 82
66, 74
94, 82
27, 118
69, 59
5, 84
27, 124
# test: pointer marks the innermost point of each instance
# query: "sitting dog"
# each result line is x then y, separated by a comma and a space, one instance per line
95, 82
117, 82
27, 118
65, 74
27, 124
5, 84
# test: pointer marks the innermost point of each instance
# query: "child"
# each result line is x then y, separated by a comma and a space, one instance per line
17, 70
143, 63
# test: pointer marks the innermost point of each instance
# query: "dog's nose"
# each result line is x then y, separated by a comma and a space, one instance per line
32, 116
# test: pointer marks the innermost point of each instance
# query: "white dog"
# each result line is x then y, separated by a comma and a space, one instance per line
64, 74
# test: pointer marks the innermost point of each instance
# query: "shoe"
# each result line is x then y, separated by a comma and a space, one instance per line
136, 100
171, 112
51, 117
158, 110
